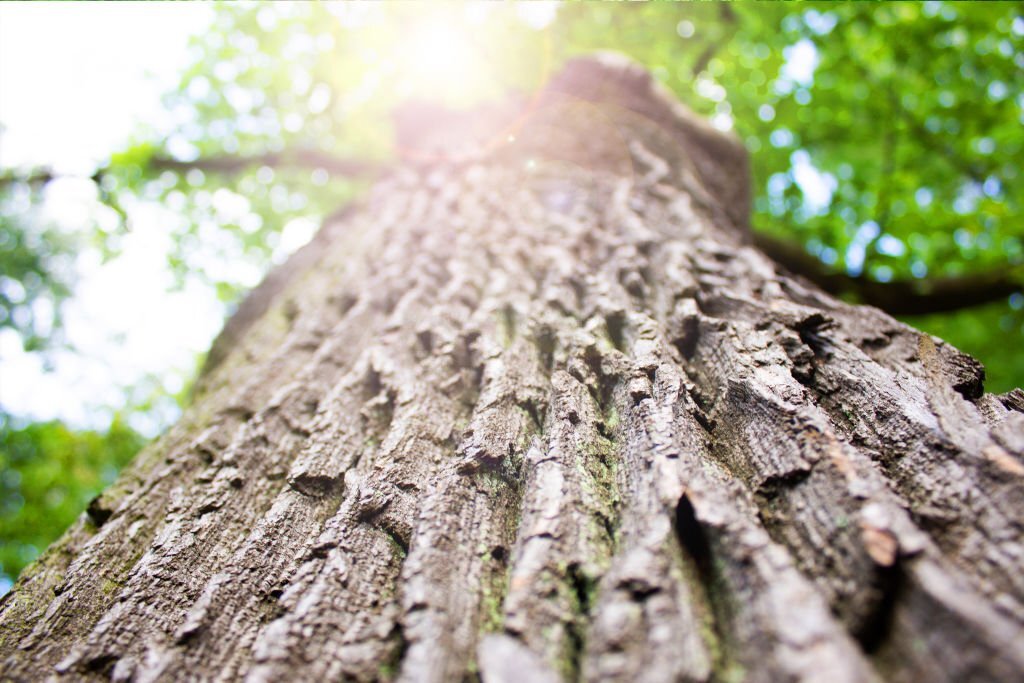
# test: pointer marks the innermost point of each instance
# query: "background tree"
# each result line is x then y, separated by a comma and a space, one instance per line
282, 114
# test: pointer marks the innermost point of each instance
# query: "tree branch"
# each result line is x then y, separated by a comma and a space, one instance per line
228, 165
303, 158
899, 297
729, 18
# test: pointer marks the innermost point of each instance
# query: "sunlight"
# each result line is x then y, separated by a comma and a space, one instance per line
439, 51
438, 59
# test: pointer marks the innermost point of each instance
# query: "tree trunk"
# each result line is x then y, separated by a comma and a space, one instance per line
539, 412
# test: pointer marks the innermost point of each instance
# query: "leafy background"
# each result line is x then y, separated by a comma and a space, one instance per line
884, 141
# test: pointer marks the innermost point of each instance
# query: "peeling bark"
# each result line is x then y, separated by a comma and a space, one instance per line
539, 411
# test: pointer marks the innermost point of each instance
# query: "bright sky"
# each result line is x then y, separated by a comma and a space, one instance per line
75, 81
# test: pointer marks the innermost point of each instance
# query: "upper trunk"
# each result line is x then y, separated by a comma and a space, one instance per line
537, 410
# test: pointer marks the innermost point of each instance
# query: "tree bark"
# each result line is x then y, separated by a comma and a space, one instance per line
537, 410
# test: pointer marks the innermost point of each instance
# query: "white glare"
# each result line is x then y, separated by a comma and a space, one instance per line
537, 15
440, 60
817, 187
801, 60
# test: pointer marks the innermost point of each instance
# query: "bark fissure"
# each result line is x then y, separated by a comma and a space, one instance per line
710, 590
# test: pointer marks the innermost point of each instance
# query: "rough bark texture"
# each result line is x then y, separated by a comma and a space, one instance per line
541, 413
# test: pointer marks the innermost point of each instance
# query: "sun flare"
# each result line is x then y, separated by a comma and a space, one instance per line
441, 60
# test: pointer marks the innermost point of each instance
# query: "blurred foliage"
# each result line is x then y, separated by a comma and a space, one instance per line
885, 138
48, 474
34, 268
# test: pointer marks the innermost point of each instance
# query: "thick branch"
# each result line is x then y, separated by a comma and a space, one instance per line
900, 297
303, 158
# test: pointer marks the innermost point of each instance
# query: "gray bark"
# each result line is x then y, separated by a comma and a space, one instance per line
536, 410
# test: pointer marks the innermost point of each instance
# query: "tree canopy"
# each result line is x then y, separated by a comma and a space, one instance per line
884, 142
